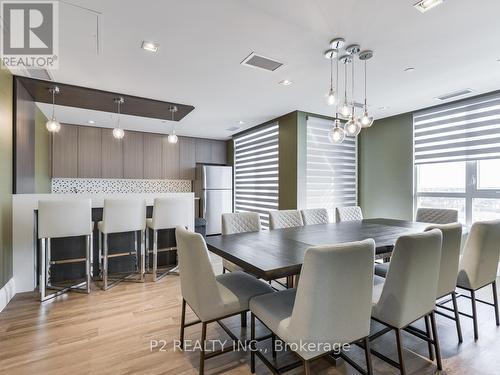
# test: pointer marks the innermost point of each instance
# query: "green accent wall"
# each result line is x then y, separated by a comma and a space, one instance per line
42, 154
385, 162
288, 150
6, 89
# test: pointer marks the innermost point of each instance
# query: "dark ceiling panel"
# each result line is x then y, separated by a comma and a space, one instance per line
88, 98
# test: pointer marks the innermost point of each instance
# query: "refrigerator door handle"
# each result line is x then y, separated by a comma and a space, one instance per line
204, 205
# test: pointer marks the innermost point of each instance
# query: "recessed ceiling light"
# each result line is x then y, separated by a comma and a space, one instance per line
91, 122
382, 108
410, 69
233, 128
285, 82
425, 5
150, 46
241, 122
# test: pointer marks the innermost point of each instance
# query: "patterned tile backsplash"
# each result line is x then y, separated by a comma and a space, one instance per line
113, 186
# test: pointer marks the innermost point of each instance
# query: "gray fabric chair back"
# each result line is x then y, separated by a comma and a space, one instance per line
450, 257
410, 288
285, 219
436, 216
198, 284
241, 222
313, 216
478, 266
352, 213
334, 296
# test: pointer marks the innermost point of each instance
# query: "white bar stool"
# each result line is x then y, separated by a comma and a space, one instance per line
64, 218
120, 216
168, 213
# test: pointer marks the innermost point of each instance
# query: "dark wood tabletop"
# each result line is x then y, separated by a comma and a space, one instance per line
280, 253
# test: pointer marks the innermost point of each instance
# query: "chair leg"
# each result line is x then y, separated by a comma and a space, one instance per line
202, 354
155, 254
273, 345
399, 343
244, 319
457, 317
252, 343
143, 258
88, 249
368, 357
100, 253
183, 322
436, 341
223, 270
307, 368
429, 335
474, 314
147, 250
43, 282
495, 300
105, 263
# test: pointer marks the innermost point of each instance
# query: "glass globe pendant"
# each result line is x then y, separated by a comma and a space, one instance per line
336, 134
172, 138
330, 97
53, 125
366, 120
118, 132
353, 127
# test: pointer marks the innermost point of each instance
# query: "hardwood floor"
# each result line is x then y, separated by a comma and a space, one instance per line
110, 333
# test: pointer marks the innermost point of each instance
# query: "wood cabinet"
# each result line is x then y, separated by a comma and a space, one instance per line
89, 152
218, 152
187, 158
64, 155
112, 155
170, 160
133, 155
203, 150
152, 155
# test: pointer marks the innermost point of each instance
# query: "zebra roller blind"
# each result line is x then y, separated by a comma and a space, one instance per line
466, 130
331, 171
256, 172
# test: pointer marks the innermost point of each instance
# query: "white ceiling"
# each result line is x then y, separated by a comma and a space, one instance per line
454, 46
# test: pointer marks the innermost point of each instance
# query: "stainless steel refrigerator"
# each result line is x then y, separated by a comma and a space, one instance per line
214, 186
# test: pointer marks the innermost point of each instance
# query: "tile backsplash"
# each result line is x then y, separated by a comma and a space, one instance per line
113, 186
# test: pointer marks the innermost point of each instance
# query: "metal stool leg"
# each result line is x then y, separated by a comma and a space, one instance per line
42, 282
88, 260
47, 264
99, 261
105, 263
143, 258
147, 249
155, 254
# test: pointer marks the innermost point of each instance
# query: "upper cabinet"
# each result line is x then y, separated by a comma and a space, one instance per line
89, 152
64, 156
133, 155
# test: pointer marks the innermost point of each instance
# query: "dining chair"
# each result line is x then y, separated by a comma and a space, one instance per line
350, 213
285, 219
448, 270
313, 216
436, 216
321, 313
240, 222
408, 293
478, 266
210, 297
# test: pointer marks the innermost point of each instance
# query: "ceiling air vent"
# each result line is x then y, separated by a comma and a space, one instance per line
39, 74
257, 61
454, 94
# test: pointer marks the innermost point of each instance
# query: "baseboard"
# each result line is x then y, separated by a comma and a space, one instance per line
6, 293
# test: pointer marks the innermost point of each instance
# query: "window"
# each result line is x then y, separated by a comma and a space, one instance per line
331, 169
457, 158
256, 172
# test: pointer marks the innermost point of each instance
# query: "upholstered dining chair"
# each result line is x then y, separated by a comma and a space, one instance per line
448, 269
313, 216
211, 297
240, 222
409, 291
321, 310
436, 216
285, 219
350, 213
478, 265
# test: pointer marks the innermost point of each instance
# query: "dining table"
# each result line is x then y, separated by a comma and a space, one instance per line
279, 253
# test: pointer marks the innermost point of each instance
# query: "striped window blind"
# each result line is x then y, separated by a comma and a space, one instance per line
256, 172
467, 130
331, 172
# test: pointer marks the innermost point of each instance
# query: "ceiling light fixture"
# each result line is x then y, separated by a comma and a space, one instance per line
425, 5
150, 46
241, 122
336, 134
91, 122
353, 127
53, 125
285, 82
172, 138
118, 132
331, 54
345, 109
366, 120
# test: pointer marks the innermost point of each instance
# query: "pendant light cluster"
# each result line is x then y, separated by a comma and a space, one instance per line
53, 125
118, 132
353, 124
172, 138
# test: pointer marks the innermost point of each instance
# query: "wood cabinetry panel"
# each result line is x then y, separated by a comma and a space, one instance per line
218, 152
133, 155
89, 152
152, 156
187, 158
203, 150
64, 152
170, 159
112, 155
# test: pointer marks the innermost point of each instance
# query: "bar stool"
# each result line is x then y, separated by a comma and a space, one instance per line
64, 218
168, 213
120, 216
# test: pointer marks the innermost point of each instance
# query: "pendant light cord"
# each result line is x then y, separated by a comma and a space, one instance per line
365, 85
337, 81
352, 86
119, 113
331, 74
53, 103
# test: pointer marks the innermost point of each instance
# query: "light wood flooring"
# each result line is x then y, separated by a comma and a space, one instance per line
110, 333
